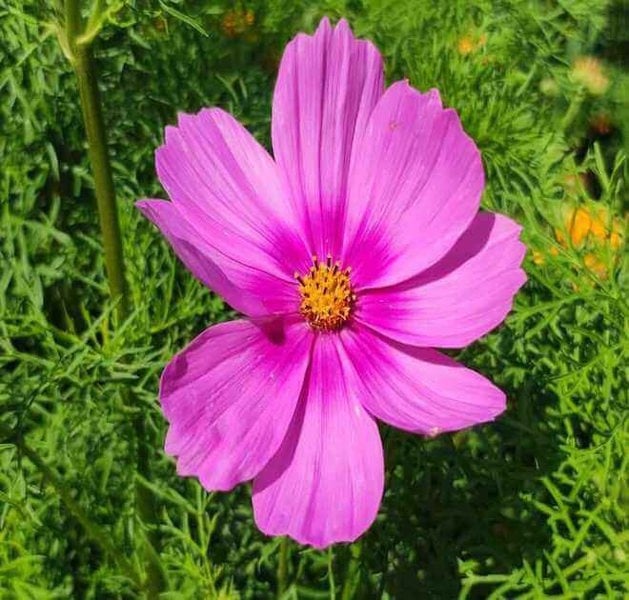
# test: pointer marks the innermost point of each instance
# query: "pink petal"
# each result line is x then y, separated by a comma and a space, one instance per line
459, 299
229, 188
325, 483
417, 389
415, 185
246, 289
327, 86
229, 398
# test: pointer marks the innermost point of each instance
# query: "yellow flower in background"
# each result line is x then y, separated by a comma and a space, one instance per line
595, 265
587, 230
590, 229
583, 225
235, 22
465, 45
469, 42
588, 72
538, 257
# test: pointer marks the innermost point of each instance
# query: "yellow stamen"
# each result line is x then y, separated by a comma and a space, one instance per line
326, 295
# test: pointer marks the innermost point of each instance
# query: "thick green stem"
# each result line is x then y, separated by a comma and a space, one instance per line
82, 59
573, 111
282, 568
83, 63
351, 577
147, 511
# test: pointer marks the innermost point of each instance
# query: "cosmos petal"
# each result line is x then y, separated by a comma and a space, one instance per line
414, 186
252, 291
225, 183
416, 389
229, 397
459, 299
327, 86
325, 483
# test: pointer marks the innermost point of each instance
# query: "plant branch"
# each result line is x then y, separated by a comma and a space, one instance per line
84, 67
93, 531
282, 568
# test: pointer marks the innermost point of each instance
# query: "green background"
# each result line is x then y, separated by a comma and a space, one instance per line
532, 506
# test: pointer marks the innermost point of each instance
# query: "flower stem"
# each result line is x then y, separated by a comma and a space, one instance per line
83, 62
573, 111
282, 568
351, 577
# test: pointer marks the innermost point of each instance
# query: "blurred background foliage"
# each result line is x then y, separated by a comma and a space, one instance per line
532, 506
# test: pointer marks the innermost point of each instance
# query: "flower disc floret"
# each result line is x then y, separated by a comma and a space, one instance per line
326, 295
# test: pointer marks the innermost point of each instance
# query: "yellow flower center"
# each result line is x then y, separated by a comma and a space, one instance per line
326, 295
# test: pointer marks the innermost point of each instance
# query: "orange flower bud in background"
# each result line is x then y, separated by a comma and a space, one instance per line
588, 72
470, 42
590, 228
465, 45
235, 22
601, 124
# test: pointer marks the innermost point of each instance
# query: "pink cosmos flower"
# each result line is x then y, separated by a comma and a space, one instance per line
352, 253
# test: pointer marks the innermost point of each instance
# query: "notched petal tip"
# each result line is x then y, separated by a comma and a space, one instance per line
171, 133
435, 96
406, 90
511, 231
326, 28
152, 209
189, 121
324, 24
523, 277
143, 205
186, 120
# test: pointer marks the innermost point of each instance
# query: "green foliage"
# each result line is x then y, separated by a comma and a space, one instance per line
532, 506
